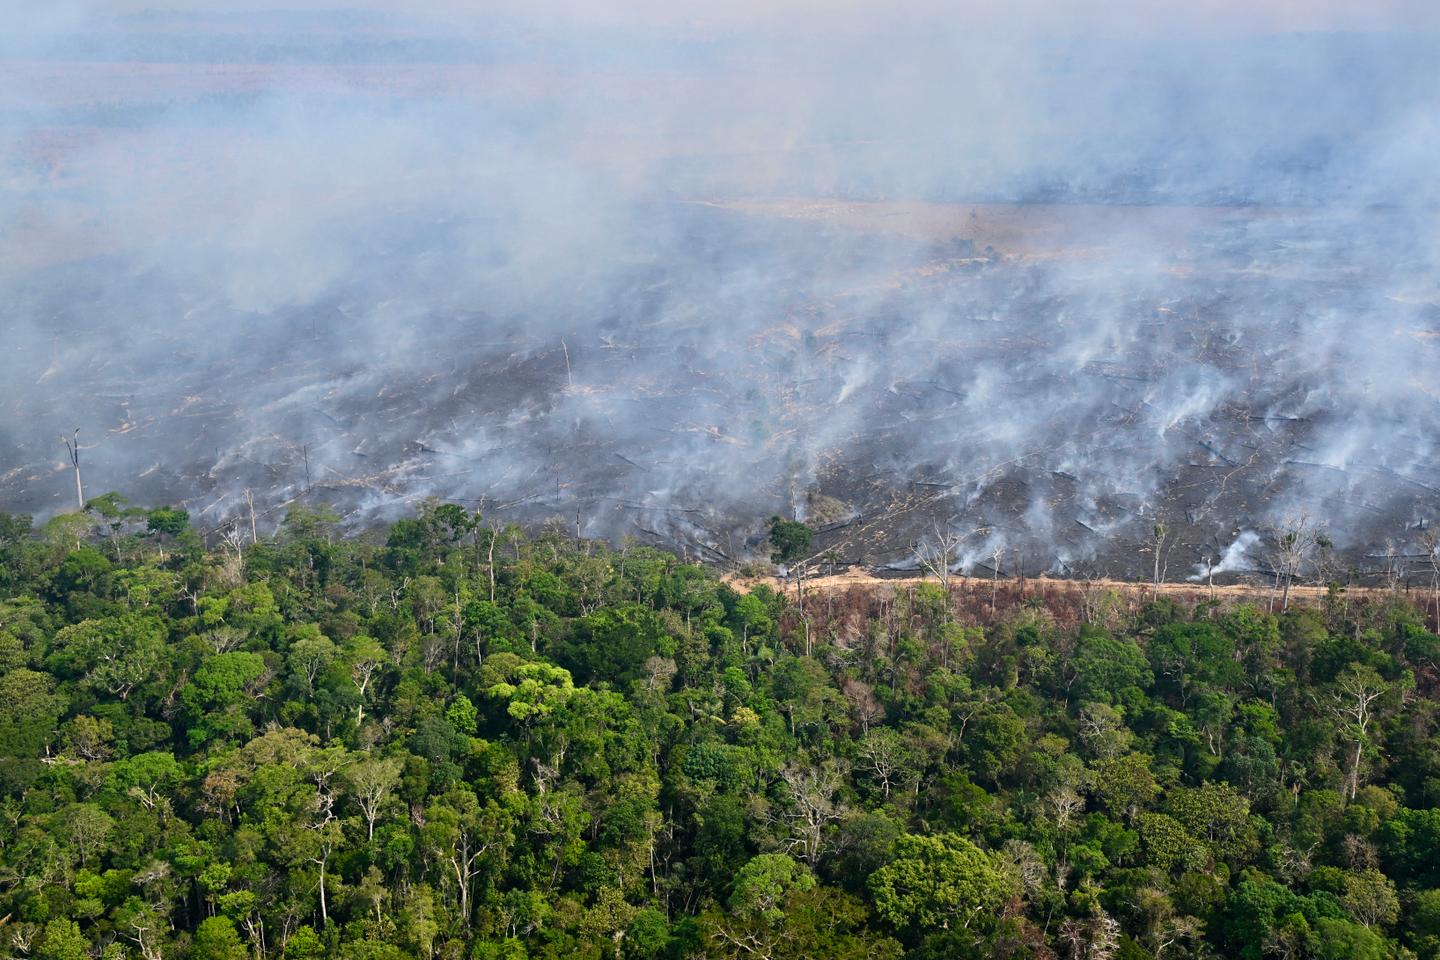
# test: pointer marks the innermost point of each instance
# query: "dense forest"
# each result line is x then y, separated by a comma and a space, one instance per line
456, 739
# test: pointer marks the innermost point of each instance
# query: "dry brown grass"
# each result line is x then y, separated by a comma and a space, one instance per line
856, 577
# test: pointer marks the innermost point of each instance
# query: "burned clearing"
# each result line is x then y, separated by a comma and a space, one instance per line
1051, 382
1085, 303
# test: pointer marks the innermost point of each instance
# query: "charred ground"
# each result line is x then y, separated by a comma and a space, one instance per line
1106, 369
667, 282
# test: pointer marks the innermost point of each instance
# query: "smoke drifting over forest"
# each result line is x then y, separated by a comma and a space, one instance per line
1051, 280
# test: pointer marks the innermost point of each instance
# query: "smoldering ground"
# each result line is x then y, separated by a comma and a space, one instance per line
1047, 280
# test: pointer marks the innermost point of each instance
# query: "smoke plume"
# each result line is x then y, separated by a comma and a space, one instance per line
662, 271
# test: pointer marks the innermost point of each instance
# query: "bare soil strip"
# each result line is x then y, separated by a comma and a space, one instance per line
864, 579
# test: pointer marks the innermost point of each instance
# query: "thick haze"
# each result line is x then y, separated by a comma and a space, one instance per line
1047, 271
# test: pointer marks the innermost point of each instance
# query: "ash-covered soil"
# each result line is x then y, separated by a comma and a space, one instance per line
1038, 286
1048, 381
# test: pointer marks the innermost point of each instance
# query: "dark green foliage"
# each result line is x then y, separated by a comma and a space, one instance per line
1105, 669
789, 540
613, 644
458, 741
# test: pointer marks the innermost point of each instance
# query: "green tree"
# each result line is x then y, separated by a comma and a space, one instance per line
614, 643
30, 710
789, 540
167, 521
63, 940
1103, 668
1125, 784
939, 882
217, 693
1370, 898
531, 691
217, 939
1218, 815
1340, 940
304, 944
762, 885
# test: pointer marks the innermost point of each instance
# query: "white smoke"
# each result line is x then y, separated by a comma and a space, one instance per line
1234, 558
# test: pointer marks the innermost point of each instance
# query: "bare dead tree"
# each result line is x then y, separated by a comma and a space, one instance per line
883, 752
250, 502
1097, 938
813, 793
231, 536
937, 554
73, 446
1089, 606
940, 552
1158, 536
863, 703
805, 623
22, 937
371, 782
1395, 564
1353, 701
1169, 931
996, 556
1430, 540
143, 926
1295, 541
1064, 804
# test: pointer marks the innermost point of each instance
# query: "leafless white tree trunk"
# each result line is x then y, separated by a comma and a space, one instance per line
996, 556
73, 446
1353, 701
250, 502
1430, 540
1158, 534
